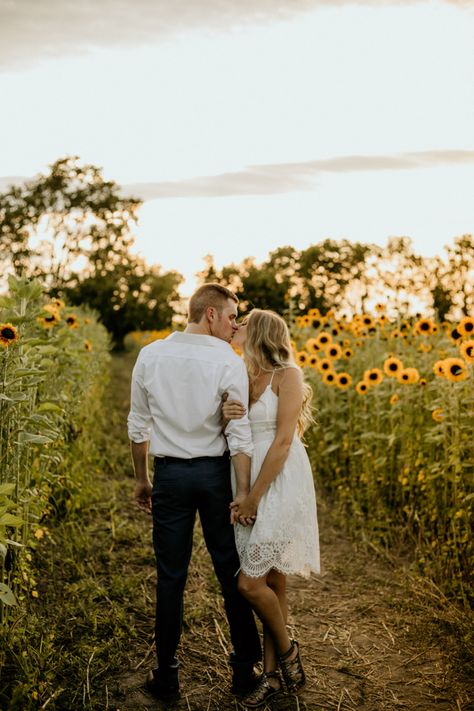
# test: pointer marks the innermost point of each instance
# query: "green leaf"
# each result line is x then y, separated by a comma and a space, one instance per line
10, 520
6, 489
48, 407
6, 595
30, 438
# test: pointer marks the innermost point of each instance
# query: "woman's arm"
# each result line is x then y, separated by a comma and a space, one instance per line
290, 398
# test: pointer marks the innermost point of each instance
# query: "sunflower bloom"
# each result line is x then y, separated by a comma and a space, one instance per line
424, 327
343, 380
313, 361
330, 378
374, 376
362, 387
423, 381
455, 369
404, 376
438, 415
324, 338
466, 326
325, 365
413, 374
8, 334
302, 358
87, 345
438, 368
394, 399
392, 366
348, 353
467, 351
72, 321
333, 351
314, 312
312, 345
368, 321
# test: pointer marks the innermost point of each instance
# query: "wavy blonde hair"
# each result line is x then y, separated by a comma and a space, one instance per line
268, 344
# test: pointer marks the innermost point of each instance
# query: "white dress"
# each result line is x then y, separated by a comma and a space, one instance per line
285, 533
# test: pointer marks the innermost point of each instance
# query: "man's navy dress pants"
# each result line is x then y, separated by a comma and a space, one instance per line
182, 487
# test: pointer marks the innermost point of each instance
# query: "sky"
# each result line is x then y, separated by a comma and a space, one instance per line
246, 126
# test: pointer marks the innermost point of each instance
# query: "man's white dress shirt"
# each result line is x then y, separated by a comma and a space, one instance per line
177, 389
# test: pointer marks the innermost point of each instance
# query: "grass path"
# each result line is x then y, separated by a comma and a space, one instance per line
370, 637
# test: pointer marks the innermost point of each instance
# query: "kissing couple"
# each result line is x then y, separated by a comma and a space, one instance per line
224, 433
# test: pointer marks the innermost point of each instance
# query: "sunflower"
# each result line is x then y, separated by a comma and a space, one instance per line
383, 320
455, 334
392, 366
343, 381
316, 322
305, 321
348, 353
395, 334
374, 376
330, 378
424, 326
333, 351
8, 334
313, 361
336, 330
329, 314
312, 345
423, 381
362, 387
302, 358
404, 376
413, 374
324, 365
467, 351
394, 399
380, 307
466, 326
72, 321
455, 369
314, 312
437, 415
57, 304
438, 368
425, 347
368, 321
87, 345
324, 338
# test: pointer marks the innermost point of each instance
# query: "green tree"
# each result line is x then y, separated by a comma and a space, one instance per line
72, 229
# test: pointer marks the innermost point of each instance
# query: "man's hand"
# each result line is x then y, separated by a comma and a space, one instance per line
142, 495
244, 511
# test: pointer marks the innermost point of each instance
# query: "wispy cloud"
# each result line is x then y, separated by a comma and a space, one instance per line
35, 29
287, 177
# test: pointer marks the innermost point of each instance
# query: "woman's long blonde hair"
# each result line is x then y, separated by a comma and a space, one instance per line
267, 346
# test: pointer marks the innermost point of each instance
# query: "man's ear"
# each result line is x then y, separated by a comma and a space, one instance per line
210, 313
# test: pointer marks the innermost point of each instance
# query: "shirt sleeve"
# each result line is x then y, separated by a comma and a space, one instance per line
139, 418
238, 432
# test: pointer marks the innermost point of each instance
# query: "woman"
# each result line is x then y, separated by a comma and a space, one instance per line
276, 528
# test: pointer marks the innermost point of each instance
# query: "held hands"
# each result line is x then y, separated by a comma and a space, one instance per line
142, 496
243, 510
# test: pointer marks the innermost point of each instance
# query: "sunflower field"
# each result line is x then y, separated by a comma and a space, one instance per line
52, 365
393, 442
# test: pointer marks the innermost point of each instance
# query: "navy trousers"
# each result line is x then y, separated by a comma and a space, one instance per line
182, 487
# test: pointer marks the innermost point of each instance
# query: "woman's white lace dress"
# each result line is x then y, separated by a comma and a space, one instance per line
285, 533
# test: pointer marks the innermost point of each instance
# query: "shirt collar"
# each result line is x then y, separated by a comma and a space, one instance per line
197, 339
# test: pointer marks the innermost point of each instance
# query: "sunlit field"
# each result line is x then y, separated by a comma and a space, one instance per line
394, 404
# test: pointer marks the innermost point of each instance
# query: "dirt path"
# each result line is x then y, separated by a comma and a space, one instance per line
367, 643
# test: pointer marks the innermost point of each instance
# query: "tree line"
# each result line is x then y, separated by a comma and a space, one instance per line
73, 230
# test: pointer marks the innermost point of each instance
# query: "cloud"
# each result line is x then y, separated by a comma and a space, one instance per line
36, 29
287, 177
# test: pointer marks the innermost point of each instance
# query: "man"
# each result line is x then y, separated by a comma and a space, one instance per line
177, 389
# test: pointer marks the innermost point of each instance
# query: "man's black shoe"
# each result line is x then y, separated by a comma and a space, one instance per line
244, 678
164, 685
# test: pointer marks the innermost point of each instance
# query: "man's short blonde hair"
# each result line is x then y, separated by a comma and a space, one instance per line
207, 295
